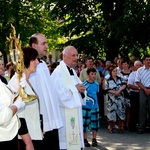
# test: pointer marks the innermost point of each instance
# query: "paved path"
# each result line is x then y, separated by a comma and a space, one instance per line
126, 141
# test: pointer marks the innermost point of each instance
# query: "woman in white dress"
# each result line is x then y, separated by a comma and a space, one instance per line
30, 115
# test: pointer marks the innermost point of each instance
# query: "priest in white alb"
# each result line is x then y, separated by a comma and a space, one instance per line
71, 96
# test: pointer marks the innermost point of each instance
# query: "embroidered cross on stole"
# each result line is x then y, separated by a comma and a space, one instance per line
72, 129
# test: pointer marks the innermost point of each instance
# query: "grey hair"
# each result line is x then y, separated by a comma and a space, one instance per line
37, 34
137, 61
108, 62
66, 49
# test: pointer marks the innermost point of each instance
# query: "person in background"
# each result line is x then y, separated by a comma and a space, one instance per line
78, 67
8, 72
101, 63
2, 74
106, 69
83, 77
115, 60
100, 69
83, 73
90, 111
1, 64
53, 66
134, 97
125, 75
48, 100
83, 58
115, 102
142, 79
119, 66
60, 58
45, 58
133, 59
2, 78
9, 123
29, 116
83, 66
131, 63
71, 94
50, 61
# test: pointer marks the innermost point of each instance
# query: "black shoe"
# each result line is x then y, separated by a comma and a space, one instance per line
86, 143
94, 142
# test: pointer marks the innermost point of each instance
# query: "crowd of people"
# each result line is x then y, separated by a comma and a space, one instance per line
69, 96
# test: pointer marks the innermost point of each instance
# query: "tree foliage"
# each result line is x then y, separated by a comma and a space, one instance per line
101, 28
28, 17
110, 26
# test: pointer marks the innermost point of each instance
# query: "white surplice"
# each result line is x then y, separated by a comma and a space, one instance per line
68, 97
49, 108
30, 112
32, 116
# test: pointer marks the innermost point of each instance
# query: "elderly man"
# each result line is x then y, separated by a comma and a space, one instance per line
143, 81
71, 94
134, 97
106, 69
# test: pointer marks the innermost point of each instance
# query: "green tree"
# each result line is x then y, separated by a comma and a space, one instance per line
108, 26
28, 17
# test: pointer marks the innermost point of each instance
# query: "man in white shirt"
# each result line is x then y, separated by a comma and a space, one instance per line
41, 83
71, 93
143, 81
134, 97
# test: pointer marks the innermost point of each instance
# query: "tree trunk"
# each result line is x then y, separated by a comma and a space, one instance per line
113, 49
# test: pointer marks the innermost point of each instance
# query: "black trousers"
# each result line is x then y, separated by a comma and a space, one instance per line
134, 118
51, 140
10, 145
144, 106
100, 96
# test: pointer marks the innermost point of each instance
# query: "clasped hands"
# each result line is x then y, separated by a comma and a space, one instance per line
117, 93
80, 87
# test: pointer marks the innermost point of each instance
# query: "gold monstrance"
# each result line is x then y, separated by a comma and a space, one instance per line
16, 55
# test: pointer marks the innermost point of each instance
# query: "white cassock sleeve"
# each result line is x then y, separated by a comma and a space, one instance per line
68, 96
65, 95
6, 114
